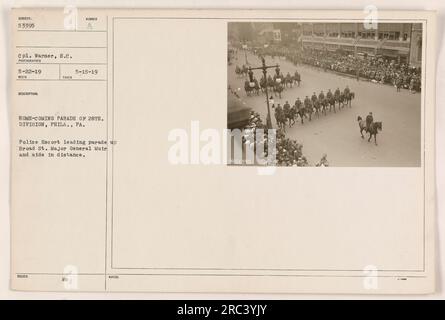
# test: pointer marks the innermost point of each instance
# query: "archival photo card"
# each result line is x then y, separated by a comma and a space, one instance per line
225, 151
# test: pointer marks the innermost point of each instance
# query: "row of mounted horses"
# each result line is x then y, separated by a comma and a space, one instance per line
276, 84
287, 115
241, 71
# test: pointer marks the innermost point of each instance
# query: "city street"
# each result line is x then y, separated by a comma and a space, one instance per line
337, 134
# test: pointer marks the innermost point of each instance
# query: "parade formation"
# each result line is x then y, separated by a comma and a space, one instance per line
287, 115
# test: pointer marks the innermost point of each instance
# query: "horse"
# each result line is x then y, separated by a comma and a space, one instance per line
281, 119
302, 113
270, 83
297, 78
373, 130
256, 87
309, 109
324, 105
250, 87
341, 100
291, 115
332, 102
337, 97
317, 106
288, 81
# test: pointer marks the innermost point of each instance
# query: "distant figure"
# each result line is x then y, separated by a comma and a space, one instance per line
398, 84
277, 71
411, 85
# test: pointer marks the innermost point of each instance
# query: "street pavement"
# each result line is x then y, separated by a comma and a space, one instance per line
337, 135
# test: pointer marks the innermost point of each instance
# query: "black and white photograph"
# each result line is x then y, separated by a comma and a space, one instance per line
338, 94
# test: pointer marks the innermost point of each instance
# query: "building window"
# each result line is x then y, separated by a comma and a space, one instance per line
347, 34
389, 35
367, 35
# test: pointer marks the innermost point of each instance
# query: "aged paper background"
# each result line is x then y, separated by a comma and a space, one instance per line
218, 120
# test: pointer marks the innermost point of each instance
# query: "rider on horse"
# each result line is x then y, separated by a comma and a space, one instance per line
279, 114
323, 161
307, 102
321, 96
278, 110
298, 103
300, 109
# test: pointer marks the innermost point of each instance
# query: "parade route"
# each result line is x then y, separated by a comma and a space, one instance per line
337, 134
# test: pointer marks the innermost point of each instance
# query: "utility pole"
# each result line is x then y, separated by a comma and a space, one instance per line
264, 68
410, 46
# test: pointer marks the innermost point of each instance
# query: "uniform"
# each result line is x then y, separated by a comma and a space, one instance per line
369, 120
